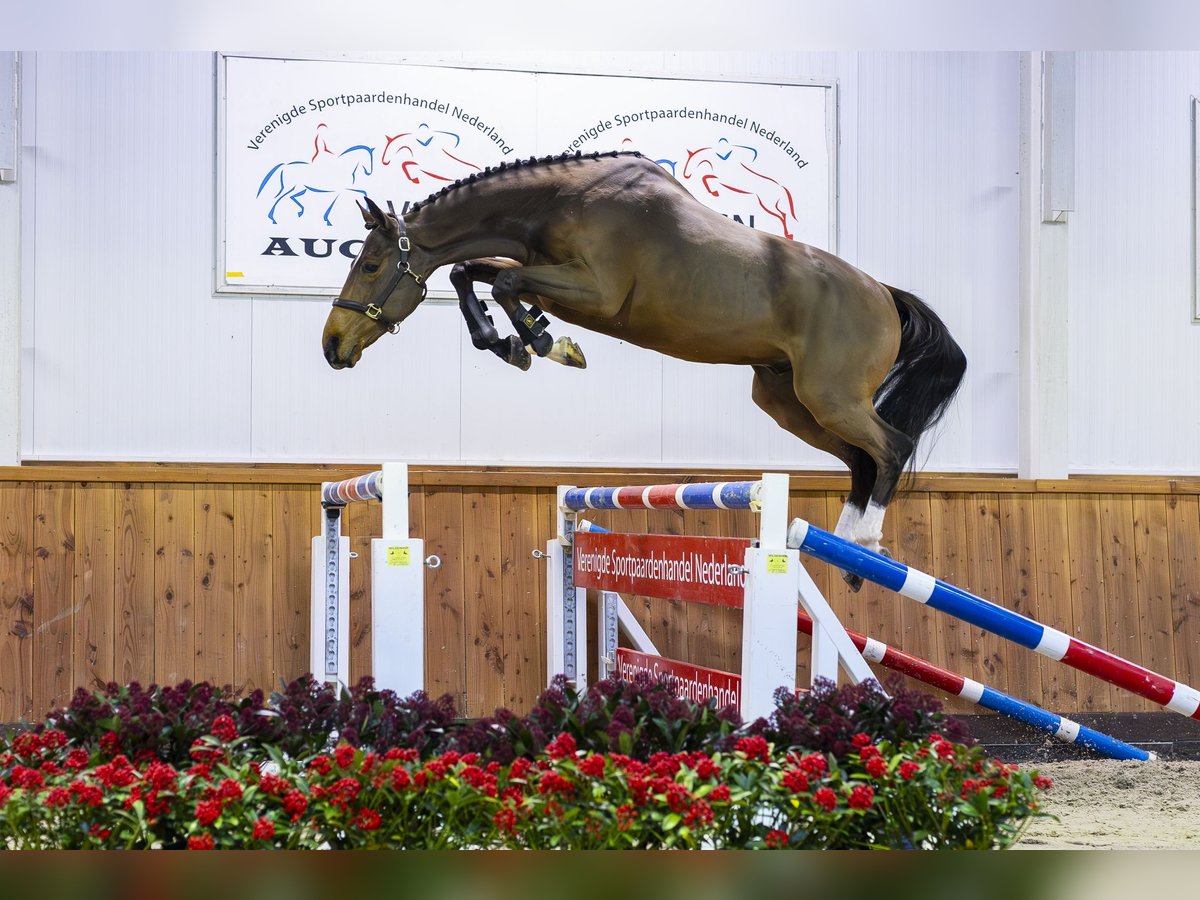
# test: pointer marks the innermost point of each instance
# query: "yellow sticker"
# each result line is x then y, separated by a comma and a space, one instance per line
398, 556
777, 564
234, 275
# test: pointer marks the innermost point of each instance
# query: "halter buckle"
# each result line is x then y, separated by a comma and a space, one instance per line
405, 246
373, 312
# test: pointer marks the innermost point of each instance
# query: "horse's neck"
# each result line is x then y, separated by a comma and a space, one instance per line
474, 221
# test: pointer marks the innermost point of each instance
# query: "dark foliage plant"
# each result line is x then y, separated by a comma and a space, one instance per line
635, 718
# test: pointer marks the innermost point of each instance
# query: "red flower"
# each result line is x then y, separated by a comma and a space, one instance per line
57, 798
344, 755
405, 754
202, 751
562, 747
795, 781
704, 766
862, 797
50, 767
86, 794
908, 769
264, 830
719, 794
27, 744
400, 778
24, 777
754, 747
229, 789
274, 785
201, 771
78, 759
295, 804
1044, 782
367, 819
825, 798
110, 743
224, 729
860, 740
626, 815
876, 766
520, 768
815, 765
200, 842
321, 765
53, 739
868, 752
592, 765
944, 749
505, 820
207, 811
776, 840
553, 783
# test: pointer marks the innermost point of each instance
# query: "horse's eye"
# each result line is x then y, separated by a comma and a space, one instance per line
370, 268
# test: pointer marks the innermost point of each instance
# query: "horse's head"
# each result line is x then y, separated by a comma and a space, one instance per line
380, 292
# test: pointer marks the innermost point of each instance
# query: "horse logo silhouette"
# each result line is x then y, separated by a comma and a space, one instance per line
728, 167
425, 153
326, 174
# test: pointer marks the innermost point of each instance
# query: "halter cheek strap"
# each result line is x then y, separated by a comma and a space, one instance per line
373, 311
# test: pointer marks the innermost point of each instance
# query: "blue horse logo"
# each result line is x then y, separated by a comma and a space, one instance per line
328, 174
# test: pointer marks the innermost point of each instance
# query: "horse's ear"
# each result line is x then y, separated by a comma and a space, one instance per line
368, 219
374, 215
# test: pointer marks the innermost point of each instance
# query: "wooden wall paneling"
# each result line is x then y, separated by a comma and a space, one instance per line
1153, 567
948, 514
484, 605
1019, 576
1183, 525
362, 522
1088, 594
1052, 568
912, 517
1121, 590
133, 583
295, 521
986, 580
216, 575
445, 644
54, 595
174, 583
96, 632
254, 587
16, 601
523, 596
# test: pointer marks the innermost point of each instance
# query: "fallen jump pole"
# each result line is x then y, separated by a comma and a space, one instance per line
997, 620
1063, 729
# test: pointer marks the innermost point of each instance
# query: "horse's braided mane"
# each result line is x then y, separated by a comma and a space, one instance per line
517, 164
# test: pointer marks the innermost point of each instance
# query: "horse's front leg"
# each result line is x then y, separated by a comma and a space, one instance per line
479, 324
530, 323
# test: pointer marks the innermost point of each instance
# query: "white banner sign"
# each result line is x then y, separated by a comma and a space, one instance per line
300, 141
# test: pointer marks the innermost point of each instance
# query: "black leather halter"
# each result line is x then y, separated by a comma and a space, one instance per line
374, 311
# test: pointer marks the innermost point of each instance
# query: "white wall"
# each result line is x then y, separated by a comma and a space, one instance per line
1134, 352
130, 356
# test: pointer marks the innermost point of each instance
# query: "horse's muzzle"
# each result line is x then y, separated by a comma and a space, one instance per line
334, 359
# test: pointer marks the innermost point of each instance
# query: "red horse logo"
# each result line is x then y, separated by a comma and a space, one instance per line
727, 167
425, 153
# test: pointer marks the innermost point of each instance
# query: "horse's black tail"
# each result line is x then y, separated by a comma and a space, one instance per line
927, 373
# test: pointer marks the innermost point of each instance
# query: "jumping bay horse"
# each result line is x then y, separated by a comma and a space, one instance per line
614, 244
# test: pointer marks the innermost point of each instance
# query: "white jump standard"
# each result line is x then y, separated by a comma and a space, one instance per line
765, 580
397, 586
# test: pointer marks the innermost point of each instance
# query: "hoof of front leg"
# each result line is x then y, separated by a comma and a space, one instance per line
855, 581
517, 354
566, 352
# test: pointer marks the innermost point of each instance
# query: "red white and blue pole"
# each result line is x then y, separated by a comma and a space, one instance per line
1019, 629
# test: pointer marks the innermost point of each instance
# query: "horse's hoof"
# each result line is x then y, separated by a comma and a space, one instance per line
855, 581
517, 354
566, 352
884, 552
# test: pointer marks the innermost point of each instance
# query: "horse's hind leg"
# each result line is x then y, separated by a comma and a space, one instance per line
852, 417
774, 394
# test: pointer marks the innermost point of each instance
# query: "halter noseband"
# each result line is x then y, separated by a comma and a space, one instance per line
373, 311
